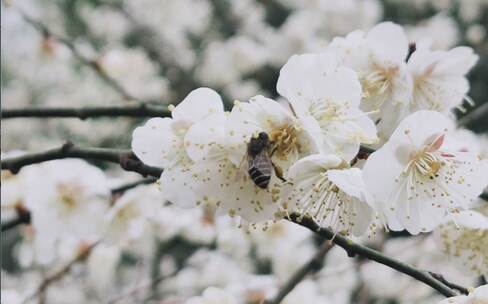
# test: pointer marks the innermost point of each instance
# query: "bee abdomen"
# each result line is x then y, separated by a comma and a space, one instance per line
260, 179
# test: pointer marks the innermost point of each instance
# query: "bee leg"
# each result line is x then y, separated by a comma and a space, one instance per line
279, 172
272, 152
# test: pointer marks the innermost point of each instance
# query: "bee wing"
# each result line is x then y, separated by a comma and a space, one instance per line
262, 162
242, 169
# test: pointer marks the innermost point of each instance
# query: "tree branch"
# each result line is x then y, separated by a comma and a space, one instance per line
23, 217
297, 277
142, 110
83, 252
353, 249
93, 64
455, 286
125, 158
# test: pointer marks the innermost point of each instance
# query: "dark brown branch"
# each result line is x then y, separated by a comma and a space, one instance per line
142, 110
125, 158
93, 64
314, 264
354, 249
23, 217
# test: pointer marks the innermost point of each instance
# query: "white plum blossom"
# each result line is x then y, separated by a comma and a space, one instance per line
335, 196
464, 237
199, 227
131, 216
70, 194
101, 265
378, 56
326, 97
417, 179
477, 296
439, 78
219, 143
160, 142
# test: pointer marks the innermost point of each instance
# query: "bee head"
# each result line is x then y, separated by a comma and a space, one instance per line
263, 136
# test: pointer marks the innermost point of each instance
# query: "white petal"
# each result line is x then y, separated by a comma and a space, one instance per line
177, 186
388, 42
420, 127
313, 164
364, 217
155, 144
204, 135
380, 171
457, 62
198, 104
420, 214
316, 78
351, 182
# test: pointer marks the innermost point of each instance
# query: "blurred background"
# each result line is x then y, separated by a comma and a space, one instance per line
157, 51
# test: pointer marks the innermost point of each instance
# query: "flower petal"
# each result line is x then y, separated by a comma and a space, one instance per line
204, 135
198, 104
155, 144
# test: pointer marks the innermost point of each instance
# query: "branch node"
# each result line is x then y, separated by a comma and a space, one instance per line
23, 214
130, 162
68, 145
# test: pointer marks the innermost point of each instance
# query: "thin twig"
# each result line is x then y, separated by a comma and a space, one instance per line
298, 276
59, 274
93, 64
142, 110
128, 186
353, 249
125, 158
439, 277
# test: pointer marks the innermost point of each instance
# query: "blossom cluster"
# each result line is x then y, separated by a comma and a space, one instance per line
362, 90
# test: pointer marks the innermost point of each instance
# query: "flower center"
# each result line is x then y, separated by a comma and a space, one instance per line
377, 83
286, 141
325, 111
426, 163
67, 194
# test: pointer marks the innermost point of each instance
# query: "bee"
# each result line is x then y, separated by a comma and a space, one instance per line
260, 167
